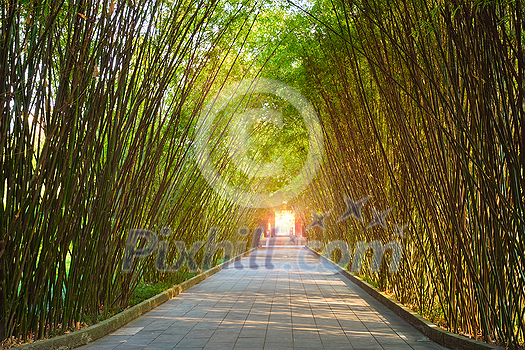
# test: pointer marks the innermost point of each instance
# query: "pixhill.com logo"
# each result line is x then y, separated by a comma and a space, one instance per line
240, 127
186, 255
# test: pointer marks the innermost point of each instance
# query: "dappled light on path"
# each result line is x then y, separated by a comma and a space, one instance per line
288, 306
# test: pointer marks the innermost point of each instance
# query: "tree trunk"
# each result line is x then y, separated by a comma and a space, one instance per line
2, 293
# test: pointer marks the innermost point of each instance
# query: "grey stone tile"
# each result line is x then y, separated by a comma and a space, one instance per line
289, 306
249, 343
160, 346
307, 344
277, 346
192, 342
364, 342
111, 341
161, 342
298, 335
219, 345
197, 334
125, 346
337, 346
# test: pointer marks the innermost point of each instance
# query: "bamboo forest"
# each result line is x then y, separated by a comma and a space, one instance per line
136, 126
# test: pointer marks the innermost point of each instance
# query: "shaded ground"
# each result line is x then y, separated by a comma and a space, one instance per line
291, 301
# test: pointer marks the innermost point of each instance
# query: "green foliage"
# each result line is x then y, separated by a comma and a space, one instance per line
97, 110
146, 290
420, 103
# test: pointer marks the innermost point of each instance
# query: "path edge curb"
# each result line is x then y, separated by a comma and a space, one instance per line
433, 332
101, 329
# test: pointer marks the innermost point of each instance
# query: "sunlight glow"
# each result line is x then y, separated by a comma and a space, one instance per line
284, 223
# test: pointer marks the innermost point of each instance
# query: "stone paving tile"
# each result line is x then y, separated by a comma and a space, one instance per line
277, 346
219, 346
291, 301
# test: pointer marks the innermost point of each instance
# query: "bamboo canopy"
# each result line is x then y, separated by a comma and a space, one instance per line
420, 108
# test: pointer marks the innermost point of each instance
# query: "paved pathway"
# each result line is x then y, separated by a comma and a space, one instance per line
300, 303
